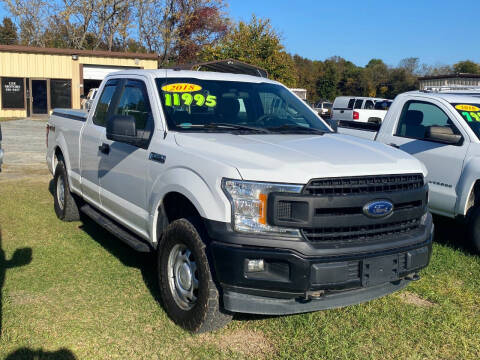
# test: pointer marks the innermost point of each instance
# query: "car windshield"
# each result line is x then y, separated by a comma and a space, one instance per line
327, 105
210, 105
471, 114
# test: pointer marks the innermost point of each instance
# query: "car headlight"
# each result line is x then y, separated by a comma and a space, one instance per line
249, 205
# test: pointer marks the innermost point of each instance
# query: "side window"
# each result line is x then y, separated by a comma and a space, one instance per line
350, 103
134, 101
418, 116
100, 116
369, 104
358, 104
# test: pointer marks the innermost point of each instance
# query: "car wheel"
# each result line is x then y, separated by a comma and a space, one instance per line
65, 204
474, 228
190, 296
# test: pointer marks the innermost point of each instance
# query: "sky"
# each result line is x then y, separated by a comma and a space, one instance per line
436, 31
439, 32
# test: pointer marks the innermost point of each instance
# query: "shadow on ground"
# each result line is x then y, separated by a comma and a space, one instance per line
29, 354
21, 257
452, 233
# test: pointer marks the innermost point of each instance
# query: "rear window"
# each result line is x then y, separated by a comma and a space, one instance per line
358, 104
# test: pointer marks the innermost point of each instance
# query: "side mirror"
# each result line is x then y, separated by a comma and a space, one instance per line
122, 128
443, 134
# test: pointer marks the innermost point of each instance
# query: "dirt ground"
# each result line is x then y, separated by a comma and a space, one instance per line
24, 150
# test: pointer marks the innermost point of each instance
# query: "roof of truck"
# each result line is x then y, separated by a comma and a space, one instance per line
204, 75
454, 96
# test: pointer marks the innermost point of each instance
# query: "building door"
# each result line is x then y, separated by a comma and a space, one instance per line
39, 96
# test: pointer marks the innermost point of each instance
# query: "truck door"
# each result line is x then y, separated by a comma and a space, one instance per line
89, 141
444, 162
123, 167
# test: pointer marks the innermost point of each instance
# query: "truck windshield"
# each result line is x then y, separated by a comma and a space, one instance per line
471, 114
192, 104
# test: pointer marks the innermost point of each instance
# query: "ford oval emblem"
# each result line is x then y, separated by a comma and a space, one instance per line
378, 209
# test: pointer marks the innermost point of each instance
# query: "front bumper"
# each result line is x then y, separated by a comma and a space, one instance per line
293, 282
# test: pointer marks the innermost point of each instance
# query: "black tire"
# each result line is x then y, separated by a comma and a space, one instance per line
66, 210
205, 313
474, 228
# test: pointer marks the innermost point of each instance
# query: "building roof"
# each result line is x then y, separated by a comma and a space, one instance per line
227, 66
55, 51
450, 76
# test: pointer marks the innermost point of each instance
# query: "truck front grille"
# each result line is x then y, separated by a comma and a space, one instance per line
364, 233
363, 184
337, 216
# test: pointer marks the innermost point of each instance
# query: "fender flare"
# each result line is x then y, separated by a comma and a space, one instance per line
62, 145
470, 175
181, 180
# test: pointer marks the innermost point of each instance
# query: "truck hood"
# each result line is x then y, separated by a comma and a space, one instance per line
299, 158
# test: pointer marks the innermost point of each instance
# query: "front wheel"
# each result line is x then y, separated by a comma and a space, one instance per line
474, 228
190, 296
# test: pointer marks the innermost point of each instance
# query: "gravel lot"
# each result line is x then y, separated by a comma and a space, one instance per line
24, 146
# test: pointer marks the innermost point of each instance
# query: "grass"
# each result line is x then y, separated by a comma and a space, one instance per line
75, 292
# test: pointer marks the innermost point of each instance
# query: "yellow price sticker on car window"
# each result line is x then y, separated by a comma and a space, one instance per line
465, 107
181, 88
187, 99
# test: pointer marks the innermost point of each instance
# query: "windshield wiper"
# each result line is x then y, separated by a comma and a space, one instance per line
296, 129
232, 127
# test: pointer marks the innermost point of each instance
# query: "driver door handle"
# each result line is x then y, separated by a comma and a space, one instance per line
104, 148
395, 145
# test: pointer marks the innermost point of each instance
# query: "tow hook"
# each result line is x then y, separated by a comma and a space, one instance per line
314, 295
413, 277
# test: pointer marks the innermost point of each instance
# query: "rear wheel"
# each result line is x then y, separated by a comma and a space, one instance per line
64, 202
474, 228
190, 296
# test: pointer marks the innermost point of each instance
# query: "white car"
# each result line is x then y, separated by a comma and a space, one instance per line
323, 108
250, 201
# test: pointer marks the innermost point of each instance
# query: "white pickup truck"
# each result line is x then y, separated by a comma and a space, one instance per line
251, 202
442, 129
360, 109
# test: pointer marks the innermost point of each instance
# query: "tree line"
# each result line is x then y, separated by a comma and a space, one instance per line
188, 31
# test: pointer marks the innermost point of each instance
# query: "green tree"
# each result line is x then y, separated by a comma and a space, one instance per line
8, 32
308, 72
466, 66
256, 43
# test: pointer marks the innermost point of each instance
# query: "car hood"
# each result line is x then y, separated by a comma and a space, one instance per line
299, 158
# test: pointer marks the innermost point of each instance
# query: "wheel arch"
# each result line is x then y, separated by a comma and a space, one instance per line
468, 187
195, 196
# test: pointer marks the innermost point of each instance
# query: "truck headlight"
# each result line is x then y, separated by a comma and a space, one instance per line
249, 205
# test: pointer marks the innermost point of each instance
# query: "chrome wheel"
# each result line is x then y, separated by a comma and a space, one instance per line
61, 192
182, 276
